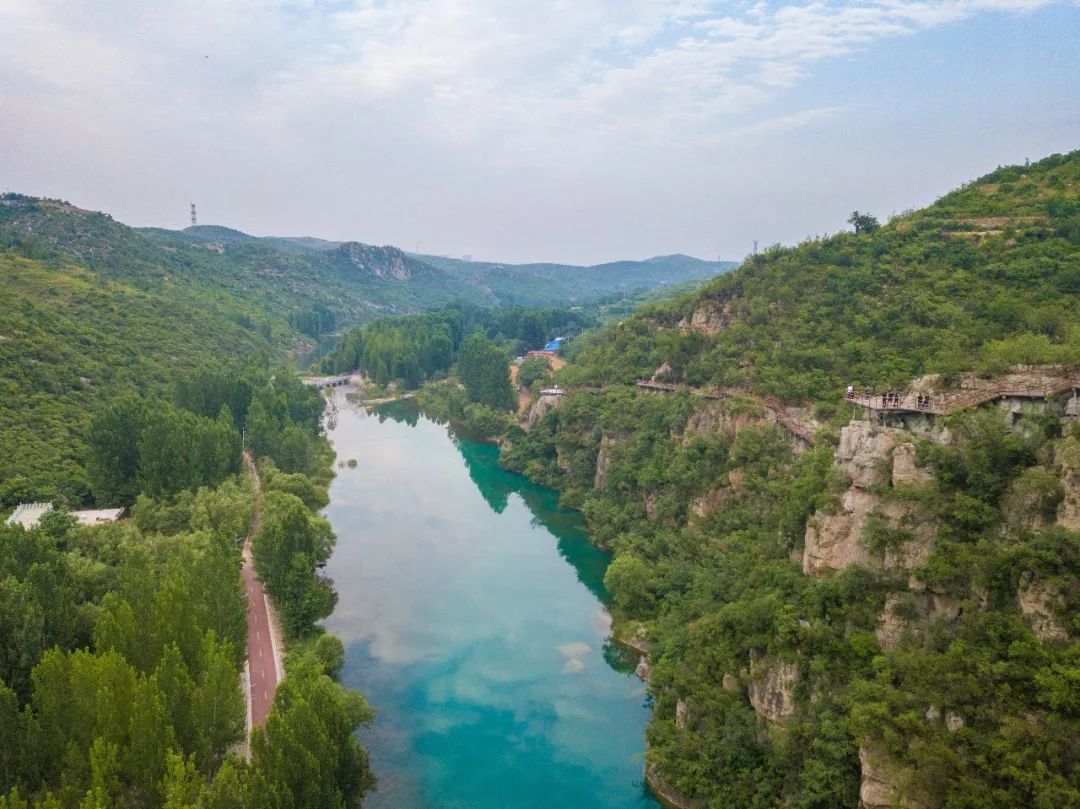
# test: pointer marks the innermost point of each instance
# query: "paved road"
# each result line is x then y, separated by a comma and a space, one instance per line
262, 669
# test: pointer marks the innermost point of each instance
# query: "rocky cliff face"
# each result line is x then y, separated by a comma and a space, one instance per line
886, 785
725, 419
873, 458
666, 792
540, 408
1068, 460
912, 612
710, 317
1039, 602
1068, 515
771, 687
832, 540
603, 458
709, 503
382, 262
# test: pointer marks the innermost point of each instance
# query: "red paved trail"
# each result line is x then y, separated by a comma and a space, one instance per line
262, 668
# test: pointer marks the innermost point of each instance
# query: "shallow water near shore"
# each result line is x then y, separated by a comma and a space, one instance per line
472, 611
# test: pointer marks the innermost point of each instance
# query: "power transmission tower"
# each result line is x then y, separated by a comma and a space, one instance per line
755, 240
193, 220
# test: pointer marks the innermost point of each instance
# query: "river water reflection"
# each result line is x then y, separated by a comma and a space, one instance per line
471, 607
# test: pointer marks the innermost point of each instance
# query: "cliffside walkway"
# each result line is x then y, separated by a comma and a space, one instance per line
774, 405
942, 404
265, 666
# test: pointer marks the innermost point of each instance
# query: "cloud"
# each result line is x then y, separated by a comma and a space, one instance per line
530, 78
572, 81
338, 100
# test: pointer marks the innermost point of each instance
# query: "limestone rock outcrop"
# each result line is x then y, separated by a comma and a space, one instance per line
383, 262
832, 540
643, 669
886, 784
872, 457
540, 408
904, 470
709, 503
1037, 599
710, 317
683, 714
668, 795
908, 556
561, 459
649, 501
722, 419
864, 453
1068, 515
1068, 458
1031, 500
771, 687
906, 612
603, 461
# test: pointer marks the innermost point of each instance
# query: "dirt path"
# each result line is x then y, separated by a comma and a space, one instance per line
264, 648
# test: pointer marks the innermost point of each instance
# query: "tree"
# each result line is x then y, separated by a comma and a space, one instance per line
533, 328
56, 523
308, 751
289, 548
628, 580
113, 439
330, 652
483, 369
532, 369
217, 706
863, 222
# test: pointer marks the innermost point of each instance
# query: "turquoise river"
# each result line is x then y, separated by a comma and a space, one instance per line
472, 611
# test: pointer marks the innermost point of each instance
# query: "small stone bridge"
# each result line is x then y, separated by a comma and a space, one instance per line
326, 381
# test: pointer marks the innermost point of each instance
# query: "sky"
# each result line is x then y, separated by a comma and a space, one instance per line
567, 130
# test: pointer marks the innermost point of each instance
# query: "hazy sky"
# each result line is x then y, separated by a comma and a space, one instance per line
571, 130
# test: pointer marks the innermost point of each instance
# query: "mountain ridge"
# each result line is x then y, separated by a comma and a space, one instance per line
303, 282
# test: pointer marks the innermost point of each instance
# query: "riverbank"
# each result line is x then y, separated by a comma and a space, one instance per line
381, 400
448, 401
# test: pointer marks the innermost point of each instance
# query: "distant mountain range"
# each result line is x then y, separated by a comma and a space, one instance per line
533, 284
313, 284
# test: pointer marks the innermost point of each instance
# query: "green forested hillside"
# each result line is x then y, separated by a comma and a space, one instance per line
983, 278
884, 615
69, 340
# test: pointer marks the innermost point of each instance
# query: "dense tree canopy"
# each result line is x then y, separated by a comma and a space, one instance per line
484, 370
121, 645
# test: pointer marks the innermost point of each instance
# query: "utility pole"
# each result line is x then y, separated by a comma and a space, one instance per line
194, 221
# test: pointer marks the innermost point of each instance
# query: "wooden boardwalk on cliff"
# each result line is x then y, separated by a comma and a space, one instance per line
774, 405
944, 403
